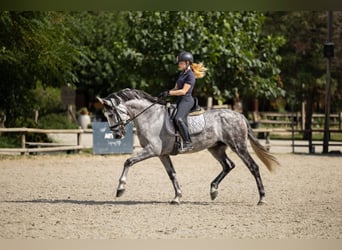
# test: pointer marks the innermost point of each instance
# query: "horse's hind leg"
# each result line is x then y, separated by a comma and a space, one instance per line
219, 152
254, 169
165, 159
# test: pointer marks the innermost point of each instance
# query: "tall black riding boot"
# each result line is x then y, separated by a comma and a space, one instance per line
184, 132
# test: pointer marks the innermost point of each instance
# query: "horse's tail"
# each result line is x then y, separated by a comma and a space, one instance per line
269, 160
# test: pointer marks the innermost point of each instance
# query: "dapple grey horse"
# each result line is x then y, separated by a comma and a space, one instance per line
224, 128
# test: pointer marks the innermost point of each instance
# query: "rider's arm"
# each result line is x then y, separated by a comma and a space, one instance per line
179, 92
176, 87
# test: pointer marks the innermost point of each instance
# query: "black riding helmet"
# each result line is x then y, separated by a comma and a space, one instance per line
184, 57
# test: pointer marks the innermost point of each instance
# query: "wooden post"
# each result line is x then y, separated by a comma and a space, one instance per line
256, 115
2, 120
328, 89
340, 121
209, 103
297, 120
23, 141
303, 115
79, 139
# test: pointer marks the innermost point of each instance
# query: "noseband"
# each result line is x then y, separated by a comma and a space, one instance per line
121, 123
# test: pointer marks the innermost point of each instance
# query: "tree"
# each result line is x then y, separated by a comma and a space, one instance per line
303, 66
240, 57
34, 47
337, 63
101, 52
98, 34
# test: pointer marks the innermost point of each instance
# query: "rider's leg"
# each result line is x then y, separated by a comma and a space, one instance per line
184, 132
184, 106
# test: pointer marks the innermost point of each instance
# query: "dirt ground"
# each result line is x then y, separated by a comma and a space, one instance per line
73, 196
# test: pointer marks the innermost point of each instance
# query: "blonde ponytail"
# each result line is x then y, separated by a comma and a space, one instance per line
199, 69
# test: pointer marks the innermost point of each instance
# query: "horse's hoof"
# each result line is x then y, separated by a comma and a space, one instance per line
262, 202
120, 192
213, 195
175, 201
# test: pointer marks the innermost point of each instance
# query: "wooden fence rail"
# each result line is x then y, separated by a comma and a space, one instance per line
34, 147
277, 127
310, 144
297, 119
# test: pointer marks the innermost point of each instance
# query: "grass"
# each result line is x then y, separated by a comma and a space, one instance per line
87, 151
9, 142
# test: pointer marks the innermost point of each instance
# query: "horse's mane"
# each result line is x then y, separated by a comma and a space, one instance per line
127, 94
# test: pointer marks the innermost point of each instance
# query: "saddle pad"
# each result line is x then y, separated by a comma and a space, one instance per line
196, 124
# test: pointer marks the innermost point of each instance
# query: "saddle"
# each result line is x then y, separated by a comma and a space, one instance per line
195, 110
195, 122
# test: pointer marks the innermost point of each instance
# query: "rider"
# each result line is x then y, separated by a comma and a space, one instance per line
183, 89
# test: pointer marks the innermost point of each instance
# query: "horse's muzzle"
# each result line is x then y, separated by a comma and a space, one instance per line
118, 134
118, 131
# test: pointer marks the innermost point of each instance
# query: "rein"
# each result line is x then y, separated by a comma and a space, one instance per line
124, 124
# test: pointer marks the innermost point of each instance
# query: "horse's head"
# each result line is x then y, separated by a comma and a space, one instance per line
116, 115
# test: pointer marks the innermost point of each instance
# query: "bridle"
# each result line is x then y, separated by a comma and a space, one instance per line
121, 123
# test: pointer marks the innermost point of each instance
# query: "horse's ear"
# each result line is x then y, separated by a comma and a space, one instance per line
104, 101
99, 99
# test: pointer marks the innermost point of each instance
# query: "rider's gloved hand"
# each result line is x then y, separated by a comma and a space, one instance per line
163, 94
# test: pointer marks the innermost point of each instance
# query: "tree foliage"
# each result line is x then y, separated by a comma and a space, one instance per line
239, 56
34, 47
249, 54
138, 50
303, 65
98, 34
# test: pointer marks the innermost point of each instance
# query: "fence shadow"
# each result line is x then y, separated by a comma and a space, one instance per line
113, 202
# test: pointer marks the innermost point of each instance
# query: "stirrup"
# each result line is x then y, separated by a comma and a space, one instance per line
186, 147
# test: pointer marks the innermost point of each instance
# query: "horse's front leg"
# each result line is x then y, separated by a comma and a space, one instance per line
144, 154
165, 159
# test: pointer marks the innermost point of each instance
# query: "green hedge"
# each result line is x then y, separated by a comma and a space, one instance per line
56, 121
